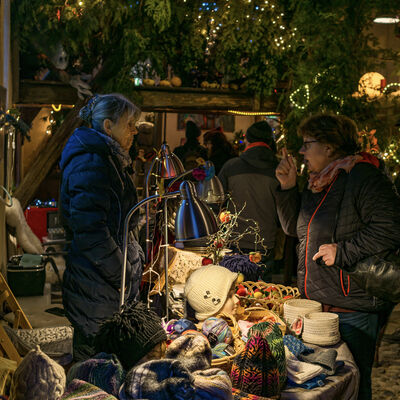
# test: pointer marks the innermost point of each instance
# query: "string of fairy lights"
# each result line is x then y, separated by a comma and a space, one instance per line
211, 19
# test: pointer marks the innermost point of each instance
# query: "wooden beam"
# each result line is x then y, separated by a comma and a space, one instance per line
158, 99
194, 99
49, 154
45, 92
3, 97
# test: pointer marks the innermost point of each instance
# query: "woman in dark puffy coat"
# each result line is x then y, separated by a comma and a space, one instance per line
97, 192
348, 212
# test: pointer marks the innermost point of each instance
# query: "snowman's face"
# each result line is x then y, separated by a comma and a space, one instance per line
60, 58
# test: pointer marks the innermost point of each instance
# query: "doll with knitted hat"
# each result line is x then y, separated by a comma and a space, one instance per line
210, 290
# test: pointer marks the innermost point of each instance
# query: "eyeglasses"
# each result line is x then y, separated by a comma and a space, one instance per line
306, 144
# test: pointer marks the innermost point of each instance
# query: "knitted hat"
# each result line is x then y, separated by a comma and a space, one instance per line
38, 377
296, 346
213, 384
158, 380
326, 358
240, 395
260, 132
183, 325
193, 351
298, 371
207, 289
241, 263
273, 335
130, 334
78, 389
103, 370
255, 369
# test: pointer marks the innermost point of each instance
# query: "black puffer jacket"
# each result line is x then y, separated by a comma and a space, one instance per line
251, 180
365, 210
96, 194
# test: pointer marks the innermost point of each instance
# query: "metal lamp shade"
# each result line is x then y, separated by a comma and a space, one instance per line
169, 166
194, 219
210, 191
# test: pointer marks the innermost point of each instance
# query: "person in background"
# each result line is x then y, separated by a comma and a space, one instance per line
348, 212
219, 150
97, 192
192, 150
250, 179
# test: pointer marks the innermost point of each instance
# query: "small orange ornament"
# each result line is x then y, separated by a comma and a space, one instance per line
225, 217
255, 257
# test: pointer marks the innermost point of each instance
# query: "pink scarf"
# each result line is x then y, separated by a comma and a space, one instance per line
318, 181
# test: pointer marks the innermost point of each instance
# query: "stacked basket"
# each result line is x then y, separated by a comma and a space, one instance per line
294, 308
321, 328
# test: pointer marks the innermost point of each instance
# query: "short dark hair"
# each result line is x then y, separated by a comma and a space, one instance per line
337, 130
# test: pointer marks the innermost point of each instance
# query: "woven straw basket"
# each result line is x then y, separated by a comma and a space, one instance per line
294, 308
258, 313
321, 328
225, 363
278, 295
247, 314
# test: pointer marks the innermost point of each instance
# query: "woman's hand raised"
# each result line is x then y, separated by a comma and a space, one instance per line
286, 172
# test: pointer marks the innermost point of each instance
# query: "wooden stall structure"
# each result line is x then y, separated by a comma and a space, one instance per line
155, 99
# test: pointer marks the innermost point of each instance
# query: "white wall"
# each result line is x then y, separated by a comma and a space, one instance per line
174, 136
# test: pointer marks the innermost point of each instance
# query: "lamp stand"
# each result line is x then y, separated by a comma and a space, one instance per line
147, 183
125, 243
166, 258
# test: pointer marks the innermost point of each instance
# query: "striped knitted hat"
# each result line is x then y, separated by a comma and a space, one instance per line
102, 370
273, 335
78, 390
255, 369
158, 380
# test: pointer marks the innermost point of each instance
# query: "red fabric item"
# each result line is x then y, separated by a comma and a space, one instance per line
257, 144
369, 158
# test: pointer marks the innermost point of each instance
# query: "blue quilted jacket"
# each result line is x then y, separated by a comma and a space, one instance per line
96, 194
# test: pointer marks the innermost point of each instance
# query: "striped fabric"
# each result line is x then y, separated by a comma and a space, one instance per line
81, 390
255, 369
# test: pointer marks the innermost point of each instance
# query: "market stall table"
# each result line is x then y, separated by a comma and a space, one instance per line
343, 385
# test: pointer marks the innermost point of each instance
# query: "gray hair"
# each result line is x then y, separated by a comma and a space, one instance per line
107, 106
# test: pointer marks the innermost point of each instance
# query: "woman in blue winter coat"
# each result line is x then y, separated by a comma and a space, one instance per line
97, 191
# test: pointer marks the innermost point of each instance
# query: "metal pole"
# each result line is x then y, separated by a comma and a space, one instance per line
166, 258
148, 209
126, 235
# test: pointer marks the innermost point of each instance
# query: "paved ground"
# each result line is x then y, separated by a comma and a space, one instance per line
386, 375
